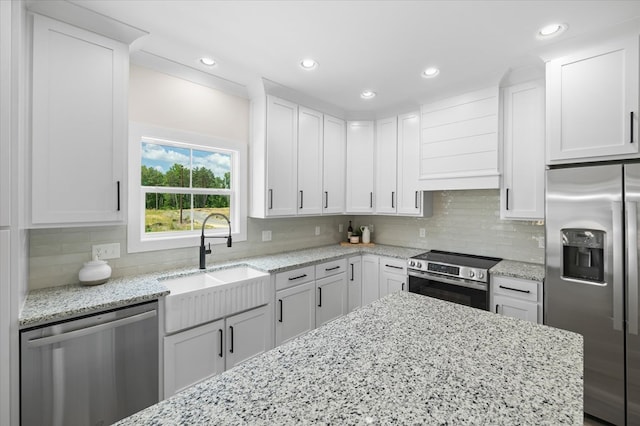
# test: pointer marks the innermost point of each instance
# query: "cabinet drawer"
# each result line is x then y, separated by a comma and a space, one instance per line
294, 277
331, 268
515, 288
393, 266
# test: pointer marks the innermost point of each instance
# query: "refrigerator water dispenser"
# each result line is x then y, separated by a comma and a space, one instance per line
583, 254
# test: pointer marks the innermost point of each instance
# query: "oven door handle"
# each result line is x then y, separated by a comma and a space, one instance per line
447, 280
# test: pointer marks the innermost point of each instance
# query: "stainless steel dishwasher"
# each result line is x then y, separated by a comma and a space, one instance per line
93, 370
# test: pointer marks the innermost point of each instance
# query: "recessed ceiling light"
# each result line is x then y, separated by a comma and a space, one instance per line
208, 61
551, 30
430, 72
308, 64
368, 94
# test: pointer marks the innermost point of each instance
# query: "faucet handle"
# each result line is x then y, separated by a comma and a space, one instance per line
208, 250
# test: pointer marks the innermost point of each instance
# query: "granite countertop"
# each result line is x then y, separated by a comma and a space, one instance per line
523, 270
59, 303
404, 359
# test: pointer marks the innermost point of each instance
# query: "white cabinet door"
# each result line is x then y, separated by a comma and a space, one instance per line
360, 158
354, 282
247, 336
334, 165
282, 157
192, 356
331, 298
6, 81
592, 103
370, 279
515, 308
310, 138
409, 196
79, 125
393, 275
386, 165
522, 192
295, 312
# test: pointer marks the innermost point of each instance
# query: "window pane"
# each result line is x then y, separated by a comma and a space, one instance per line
211, 169
214, 204
164, 165
167, 212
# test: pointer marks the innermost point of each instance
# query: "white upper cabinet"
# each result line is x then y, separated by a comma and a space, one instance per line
410, 200
79, 125
592, 104
522, 192
6, 81
282, 157
310, 139
459, 143
386, 165
360, 160
334, 165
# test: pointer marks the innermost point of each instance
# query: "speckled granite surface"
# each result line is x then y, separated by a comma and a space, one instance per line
404, 359
524, 270
58, 303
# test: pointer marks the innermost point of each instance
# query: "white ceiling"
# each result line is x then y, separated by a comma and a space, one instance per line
379, 45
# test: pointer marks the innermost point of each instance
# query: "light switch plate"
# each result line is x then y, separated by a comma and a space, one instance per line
105, 251
317, 230
340, 227
423, 232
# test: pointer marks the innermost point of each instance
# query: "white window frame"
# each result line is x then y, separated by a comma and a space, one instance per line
137, 239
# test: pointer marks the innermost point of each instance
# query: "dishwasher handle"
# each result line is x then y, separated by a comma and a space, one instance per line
49, 340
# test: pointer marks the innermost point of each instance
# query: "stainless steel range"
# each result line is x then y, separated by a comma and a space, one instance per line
455, 277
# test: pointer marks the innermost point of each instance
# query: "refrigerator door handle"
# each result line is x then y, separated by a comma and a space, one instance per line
632, 262
618, 265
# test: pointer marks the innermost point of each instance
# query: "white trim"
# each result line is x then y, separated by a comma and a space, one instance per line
136, 242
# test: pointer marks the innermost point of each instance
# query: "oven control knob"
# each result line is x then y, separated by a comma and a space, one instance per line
419, 265
472, 274
412, 263
480, 275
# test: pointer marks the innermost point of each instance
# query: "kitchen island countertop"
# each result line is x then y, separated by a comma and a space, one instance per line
404, 359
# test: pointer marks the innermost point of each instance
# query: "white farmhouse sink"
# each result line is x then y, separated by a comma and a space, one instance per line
200, 298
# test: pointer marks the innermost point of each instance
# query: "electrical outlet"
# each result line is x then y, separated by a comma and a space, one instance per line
371, 227
317, 230
423, 232
266, 235
106, 251
340, 227
541, 242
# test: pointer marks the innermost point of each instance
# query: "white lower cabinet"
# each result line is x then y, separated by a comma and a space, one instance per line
295, 312
354, 282
202, 352
331, 294
393, 276
517, 298
370, 279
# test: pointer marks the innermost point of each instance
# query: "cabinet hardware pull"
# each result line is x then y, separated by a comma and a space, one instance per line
297, 278
332, 269
352, 276
319, 297
270, 199
371, 200
515, 289
118, 191
417, 199
631, 127
393, 266
231, 331
301, 198
402, 286
326, 199
507, 202
393, 196
280, 303
220, 354
497, 308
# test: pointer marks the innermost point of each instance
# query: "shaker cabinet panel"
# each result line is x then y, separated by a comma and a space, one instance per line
334, 165
310, 140
354, 282
592, 103
282, 149
247, 336
386, 165
360, 160
331, 298
295, 312
410, 198
79, 125
370, 279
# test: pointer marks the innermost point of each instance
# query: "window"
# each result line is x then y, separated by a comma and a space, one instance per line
177, 179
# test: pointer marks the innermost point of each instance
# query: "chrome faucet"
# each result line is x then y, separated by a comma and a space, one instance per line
205, 251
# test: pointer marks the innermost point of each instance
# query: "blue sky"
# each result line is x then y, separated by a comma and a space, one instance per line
162, 157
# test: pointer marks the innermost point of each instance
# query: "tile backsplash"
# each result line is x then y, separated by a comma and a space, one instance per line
462, 221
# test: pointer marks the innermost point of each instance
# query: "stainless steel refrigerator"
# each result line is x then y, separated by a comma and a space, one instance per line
591, 282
